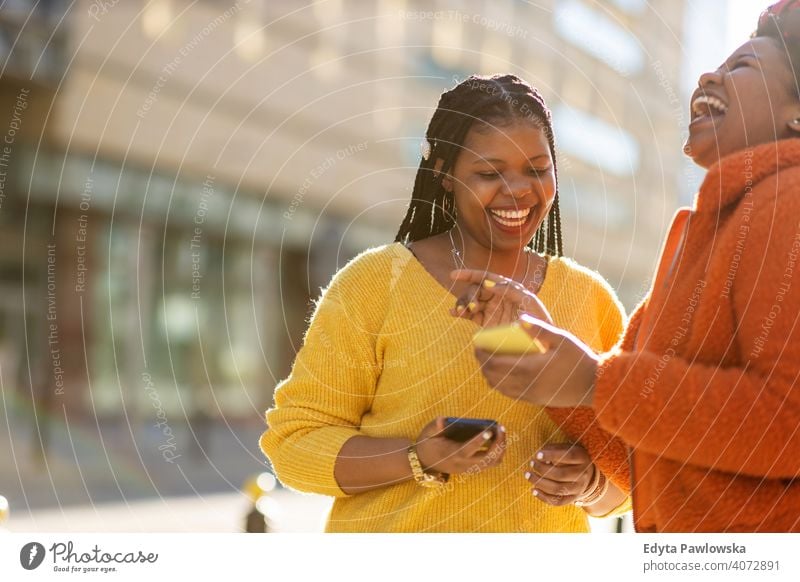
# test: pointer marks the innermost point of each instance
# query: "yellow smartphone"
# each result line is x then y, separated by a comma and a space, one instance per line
507, 339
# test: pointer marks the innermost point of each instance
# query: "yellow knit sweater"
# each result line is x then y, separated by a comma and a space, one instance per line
382, 357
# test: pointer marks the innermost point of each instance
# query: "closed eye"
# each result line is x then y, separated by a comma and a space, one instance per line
744, 61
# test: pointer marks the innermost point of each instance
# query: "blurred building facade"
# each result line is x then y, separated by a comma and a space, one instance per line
189, 174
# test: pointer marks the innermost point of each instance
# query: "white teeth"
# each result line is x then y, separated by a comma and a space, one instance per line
509, 222
511, 218
711, 102
511, 213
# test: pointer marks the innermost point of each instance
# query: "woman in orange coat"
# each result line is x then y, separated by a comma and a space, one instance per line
705, 386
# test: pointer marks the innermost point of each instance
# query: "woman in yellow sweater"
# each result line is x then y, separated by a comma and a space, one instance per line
361, 416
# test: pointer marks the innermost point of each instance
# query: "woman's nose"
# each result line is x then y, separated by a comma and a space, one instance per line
710, 78
520, 187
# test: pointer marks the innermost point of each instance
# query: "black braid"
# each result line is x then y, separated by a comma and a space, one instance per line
476, 99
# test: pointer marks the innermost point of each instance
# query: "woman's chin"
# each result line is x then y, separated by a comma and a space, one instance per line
704, 155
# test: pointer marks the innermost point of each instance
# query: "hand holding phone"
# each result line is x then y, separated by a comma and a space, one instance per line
507, 339
454, 445
463, 429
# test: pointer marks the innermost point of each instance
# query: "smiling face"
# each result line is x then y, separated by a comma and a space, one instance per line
750, 100
504, 184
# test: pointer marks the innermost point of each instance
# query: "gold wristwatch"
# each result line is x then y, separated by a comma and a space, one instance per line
421, 476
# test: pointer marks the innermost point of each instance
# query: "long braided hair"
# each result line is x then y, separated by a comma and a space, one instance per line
477, 99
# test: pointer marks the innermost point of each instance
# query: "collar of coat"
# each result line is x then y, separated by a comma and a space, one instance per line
737, 174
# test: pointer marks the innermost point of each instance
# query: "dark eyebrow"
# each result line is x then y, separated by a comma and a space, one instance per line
496, 160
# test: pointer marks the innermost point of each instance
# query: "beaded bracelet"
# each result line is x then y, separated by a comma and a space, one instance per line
596, 490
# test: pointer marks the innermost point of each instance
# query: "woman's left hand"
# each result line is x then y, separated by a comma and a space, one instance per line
492, 299
562, 377
560, 473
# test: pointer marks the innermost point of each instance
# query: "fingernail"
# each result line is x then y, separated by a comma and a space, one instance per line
527, 475
487, 435
502, 429
488, 283
540, 455
536, 493
533, 463
472, 306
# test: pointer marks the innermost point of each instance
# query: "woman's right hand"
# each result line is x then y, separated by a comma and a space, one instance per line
444, 455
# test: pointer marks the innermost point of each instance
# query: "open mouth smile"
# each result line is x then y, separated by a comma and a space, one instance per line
707, 107
510, 218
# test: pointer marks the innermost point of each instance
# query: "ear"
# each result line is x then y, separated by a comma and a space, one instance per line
794, 122
447, 180
447, 183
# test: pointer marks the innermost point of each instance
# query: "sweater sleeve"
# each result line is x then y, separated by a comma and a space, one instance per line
320, 405
609, 453
736, 419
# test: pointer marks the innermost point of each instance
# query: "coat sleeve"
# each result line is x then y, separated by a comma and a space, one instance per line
743, 419
320, 405
609, 453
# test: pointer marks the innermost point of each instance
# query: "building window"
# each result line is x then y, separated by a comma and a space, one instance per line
635, 7
597, 34
609, 148
446, 42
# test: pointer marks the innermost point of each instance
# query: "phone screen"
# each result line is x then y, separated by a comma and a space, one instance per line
463, 429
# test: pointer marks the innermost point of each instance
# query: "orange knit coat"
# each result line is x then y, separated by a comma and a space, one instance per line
704, 386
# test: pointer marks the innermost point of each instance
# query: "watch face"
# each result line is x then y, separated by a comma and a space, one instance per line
432, 480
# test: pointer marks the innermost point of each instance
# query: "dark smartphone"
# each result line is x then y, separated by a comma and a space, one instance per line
463, 429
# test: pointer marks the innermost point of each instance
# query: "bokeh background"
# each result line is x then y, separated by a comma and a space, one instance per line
179, 178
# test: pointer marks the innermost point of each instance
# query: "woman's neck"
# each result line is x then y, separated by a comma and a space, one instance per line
512, 263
